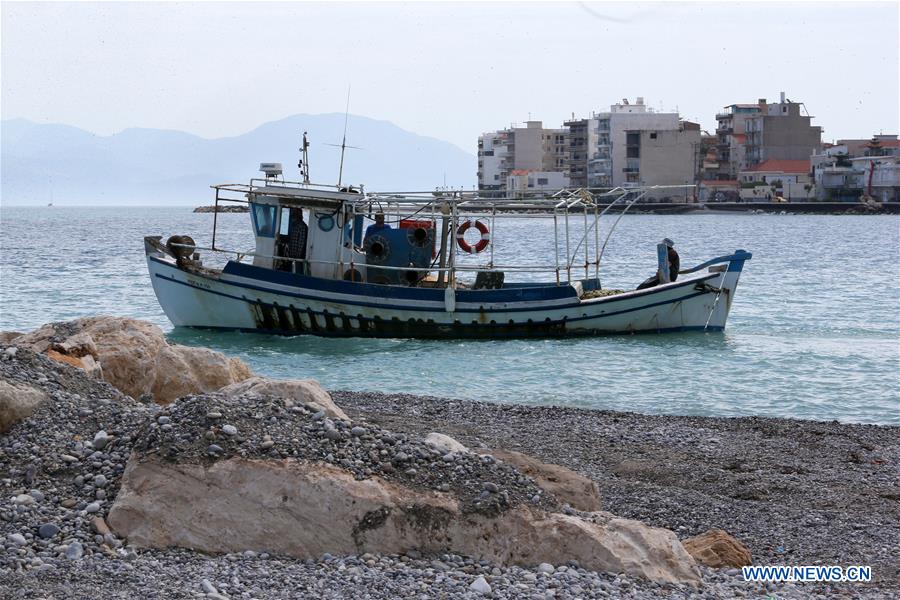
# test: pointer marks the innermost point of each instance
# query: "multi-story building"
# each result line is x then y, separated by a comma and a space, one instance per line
532, 148
779, 132
597, 145
731, 136
665, 157
580, 136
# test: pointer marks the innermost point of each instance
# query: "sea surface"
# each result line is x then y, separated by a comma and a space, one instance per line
814, 330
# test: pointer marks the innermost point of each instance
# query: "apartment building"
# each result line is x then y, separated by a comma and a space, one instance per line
530, 148
664, 157
779, 132
597, 145
731, 139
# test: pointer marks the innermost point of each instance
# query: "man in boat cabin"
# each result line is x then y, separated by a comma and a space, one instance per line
293, 245
379, 225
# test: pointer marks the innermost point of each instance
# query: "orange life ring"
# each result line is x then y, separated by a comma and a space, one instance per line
482, 243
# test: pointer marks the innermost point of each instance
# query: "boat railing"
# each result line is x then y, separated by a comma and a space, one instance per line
738, 255
455, 206
474, 269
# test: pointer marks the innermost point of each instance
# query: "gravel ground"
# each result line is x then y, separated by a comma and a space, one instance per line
774, 484
210, 427
795, 492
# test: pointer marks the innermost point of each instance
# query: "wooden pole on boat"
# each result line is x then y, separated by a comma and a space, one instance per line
445, 230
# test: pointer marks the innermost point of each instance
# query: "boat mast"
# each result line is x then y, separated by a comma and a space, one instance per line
344, 140
344, 145
304, 159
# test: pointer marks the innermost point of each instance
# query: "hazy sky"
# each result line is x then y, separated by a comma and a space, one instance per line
446, 70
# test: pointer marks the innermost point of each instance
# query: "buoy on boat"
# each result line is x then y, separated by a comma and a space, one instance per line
482, 243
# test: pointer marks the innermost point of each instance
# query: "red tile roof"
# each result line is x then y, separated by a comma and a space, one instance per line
782, 166
520, 172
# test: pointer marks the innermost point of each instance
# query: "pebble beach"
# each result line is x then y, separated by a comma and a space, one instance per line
795, 492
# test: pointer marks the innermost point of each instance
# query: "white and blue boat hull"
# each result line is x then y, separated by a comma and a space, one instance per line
247, 298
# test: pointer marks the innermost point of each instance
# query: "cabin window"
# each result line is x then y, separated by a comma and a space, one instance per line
285, 221
264, 219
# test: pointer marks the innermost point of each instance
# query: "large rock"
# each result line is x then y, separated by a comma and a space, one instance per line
17, 401
8, 336
294, 391
307, 509
567, 485
135, 357
715, 548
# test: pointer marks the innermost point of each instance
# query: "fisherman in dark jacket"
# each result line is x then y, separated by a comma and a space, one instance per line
674, 266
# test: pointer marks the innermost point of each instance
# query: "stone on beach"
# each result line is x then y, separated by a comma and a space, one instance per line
6, 337
294, 391
135, 357
715, 548
480, 585
444, 443
306, 509
17, 401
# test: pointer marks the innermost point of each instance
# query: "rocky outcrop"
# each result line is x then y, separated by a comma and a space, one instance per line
306, 509
222, 209
135, 357
715, 548
8, 336
303, 392
17, 401
573, 488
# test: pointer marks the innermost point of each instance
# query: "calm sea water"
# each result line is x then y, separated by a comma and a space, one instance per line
814, 331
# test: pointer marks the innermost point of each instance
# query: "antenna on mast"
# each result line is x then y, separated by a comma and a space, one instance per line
304, 159
344, 145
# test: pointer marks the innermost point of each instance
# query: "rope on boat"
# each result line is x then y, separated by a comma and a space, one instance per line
715, 304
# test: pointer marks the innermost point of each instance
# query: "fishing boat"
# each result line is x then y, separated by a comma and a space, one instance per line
429, 271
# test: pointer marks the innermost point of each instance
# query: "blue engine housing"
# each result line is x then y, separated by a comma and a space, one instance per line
408, 247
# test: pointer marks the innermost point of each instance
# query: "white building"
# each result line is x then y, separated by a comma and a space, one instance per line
775, 180
532, 147
522, 181
852, 169
492, 153
598, 145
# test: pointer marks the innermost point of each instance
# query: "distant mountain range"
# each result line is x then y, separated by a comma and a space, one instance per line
67, 165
